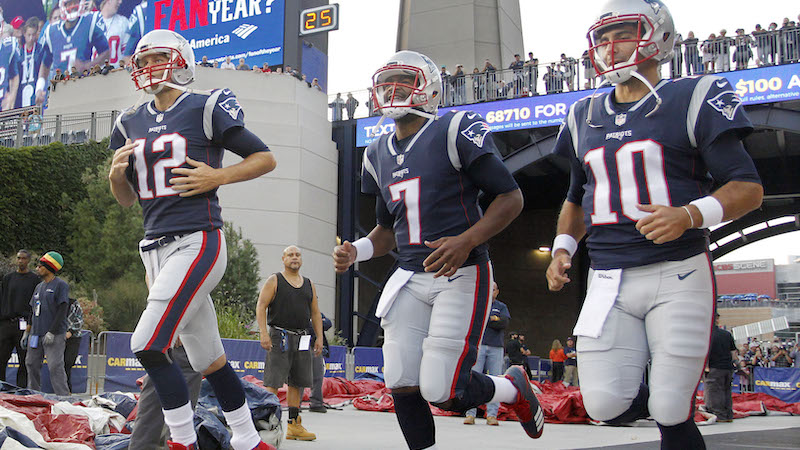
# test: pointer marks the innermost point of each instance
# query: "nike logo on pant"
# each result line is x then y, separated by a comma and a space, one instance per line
450, 280
682, 277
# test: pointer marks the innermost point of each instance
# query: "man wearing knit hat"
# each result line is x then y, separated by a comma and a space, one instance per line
46, 335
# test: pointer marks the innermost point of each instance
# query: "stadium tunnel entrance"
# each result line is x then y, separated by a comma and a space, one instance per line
520, 254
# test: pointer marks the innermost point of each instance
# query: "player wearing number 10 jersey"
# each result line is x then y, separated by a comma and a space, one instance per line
644, 158
427, 177
168, 155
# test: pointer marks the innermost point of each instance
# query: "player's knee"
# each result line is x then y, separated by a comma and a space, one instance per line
438, 368
152, 358
669, 408
395, 372
604, 405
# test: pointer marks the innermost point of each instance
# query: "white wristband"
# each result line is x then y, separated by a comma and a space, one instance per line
40, 84
711, 209
566, 242
364, 249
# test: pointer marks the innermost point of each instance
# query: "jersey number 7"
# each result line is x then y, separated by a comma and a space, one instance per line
408, 191
160, 168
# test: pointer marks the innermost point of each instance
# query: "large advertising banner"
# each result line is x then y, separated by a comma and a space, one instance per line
368, 363
782, 383
754, 86
249, 29
246, 357
335, 361
78, 376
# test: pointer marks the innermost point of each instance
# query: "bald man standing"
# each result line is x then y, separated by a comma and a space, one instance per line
287, 302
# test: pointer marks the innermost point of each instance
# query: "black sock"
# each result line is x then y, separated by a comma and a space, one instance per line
227, 387
683, 436
293, 412
637, 410
415, 418
478, 391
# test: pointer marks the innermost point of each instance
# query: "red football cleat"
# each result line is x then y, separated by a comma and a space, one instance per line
527, 406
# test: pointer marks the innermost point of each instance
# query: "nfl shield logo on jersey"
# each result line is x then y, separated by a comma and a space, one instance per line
400, 159
159, 118
620, 119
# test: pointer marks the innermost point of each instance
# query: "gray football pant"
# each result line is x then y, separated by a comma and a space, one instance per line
149, 431
55, 364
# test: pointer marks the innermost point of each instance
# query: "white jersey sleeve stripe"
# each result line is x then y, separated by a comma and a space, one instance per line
698, 98
370, 168
573, 129
452, 136
120, 126
208, 114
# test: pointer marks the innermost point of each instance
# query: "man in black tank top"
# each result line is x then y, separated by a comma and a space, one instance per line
288, 301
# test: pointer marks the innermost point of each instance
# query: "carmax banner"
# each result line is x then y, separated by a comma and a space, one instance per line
250, 29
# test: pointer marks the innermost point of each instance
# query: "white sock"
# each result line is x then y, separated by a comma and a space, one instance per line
181, 424
504, 390
245, 436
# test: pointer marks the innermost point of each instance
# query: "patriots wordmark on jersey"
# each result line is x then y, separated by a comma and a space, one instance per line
664, 159
192, 127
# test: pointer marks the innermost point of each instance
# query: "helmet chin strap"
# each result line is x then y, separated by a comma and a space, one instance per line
634, 74
375, 131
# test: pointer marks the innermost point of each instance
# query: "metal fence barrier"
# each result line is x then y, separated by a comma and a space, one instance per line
27, 127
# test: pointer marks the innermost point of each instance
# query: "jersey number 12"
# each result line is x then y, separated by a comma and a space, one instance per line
160, 168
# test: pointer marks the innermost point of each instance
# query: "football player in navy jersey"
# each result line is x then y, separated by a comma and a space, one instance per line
426, 178
71, 42
9, 72
30, 60
168, 155
644, 158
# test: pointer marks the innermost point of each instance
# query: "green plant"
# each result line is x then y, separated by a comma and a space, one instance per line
232, 323
238, 289
92, 315
337, 338
123, 301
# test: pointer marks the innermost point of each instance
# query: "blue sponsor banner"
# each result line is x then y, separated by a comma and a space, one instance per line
782, 383
754, 86
246, 357
335, 361
80, 371
368, 363
249, 29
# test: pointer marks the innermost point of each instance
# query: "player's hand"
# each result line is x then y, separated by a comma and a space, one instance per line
494, 318
344, 256
119, 163
40, 95
317, 347
557, 270
663, 224
266, 342
197, 180
449, 254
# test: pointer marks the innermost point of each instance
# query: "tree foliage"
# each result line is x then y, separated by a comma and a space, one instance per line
238, 289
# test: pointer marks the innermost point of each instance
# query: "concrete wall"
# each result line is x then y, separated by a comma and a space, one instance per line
462, 31
296, 203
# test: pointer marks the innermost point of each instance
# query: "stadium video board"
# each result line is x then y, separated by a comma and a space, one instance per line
250, 29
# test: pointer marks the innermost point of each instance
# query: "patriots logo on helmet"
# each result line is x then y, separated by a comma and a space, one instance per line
477, 133
726, 102
231, 106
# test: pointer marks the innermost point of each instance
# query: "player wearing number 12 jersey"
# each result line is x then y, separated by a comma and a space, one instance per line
644, 158
427, 177
168, 155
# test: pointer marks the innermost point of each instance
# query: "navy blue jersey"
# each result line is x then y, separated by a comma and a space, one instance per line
63, 47
193, 126
665, 159
9, 63
30, 61
424, 183
135, 28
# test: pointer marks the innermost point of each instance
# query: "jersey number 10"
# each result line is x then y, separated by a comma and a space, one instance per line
654, 179
160, 168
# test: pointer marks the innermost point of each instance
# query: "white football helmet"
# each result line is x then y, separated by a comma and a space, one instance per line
71, 10
418, 93
656, 36
176, 73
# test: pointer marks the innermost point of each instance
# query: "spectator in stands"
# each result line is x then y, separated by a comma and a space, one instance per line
74, 326
459, 86
532, 73
242, 65
46, 334
724, 44
514, 350
774, 43
16, 290
490, 353
288, 70
588, 70
107, 68
677, 57
336, 106
58, 77
95, 70
761, 41
205, 62
447, 87
780, 357
790, 36
569, 64
794, 354
691, 55
571, 363
315, 85
370, 102
710, 53
478, 85
518, 66
74, 75
350, 105
304, 79
553, 80
215, 65
742, 49
558, 357
227, 65
265, 68
722, 355
279, 70
503, 90
491, 79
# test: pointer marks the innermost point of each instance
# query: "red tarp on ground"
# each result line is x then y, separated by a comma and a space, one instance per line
64, 428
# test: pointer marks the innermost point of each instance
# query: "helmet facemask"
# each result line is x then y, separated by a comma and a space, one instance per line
146, 78
71, 10
644, 47
388, 92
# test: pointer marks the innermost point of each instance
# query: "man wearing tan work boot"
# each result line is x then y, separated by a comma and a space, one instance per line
288, 301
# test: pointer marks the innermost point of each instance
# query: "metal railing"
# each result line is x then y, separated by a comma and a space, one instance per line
27, 127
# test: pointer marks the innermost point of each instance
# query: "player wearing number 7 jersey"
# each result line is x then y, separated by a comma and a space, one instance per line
168, 155
427, 176
644, 158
